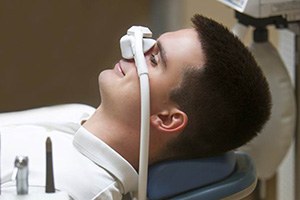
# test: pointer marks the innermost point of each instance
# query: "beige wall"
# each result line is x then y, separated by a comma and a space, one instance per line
210, 8
51, 52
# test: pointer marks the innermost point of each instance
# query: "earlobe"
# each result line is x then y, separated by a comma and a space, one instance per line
170, 122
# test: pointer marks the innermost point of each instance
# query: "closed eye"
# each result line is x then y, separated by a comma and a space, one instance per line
153, 59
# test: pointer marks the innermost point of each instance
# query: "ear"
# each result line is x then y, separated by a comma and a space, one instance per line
173, 121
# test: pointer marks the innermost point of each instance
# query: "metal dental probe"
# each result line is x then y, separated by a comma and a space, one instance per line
49, 167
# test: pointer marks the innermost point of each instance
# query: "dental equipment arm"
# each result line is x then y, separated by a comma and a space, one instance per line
134, 46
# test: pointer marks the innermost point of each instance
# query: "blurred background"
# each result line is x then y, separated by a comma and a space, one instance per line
51, 52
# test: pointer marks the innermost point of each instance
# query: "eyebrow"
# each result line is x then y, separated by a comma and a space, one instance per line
162, 53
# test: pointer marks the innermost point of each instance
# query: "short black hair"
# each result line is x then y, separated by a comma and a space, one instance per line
227, 100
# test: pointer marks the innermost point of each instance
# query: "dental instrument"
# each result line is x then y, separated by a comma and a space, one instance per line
49, 168
20, 174
133, 45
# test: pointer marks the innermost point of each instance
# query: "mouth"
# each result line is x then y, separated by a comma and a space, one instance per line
119, 69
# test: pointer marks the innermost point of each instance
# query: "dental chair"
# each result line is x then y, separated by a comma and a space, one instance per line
230, 176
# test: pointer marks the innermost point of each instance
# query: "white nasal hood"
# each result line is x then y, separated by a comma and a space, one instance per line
127, 42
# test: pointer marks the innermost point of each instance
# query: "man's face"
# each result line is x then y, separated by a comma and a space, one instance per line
173, 52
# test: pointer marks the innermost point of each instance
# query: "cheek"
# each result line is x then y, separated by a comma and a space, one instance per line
159, 95
160, 88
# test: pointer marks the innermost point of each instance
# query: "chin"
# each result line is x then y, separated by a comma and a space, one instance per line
104, 82
102, 76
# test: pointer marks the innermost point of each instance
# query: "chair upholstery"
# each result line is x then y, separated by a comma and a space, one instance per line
229, 176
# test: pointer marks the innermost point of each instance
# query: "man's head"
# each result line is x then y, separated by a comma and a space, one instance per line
226, 98
207, 93
166, 61
120, 97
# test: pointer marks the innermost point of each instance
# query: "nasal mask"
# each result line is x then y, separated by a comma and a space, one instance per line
134, 44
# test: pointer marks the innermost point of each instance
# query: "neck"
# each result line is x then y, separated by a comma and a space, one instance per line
122, 138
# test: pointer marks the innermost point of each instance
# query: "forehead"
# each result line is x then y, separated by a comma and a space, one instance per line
179, 32
183, 34
184, 42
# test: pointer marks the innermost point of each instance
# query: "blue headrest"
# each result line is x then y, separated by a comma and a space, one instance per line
171, 178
